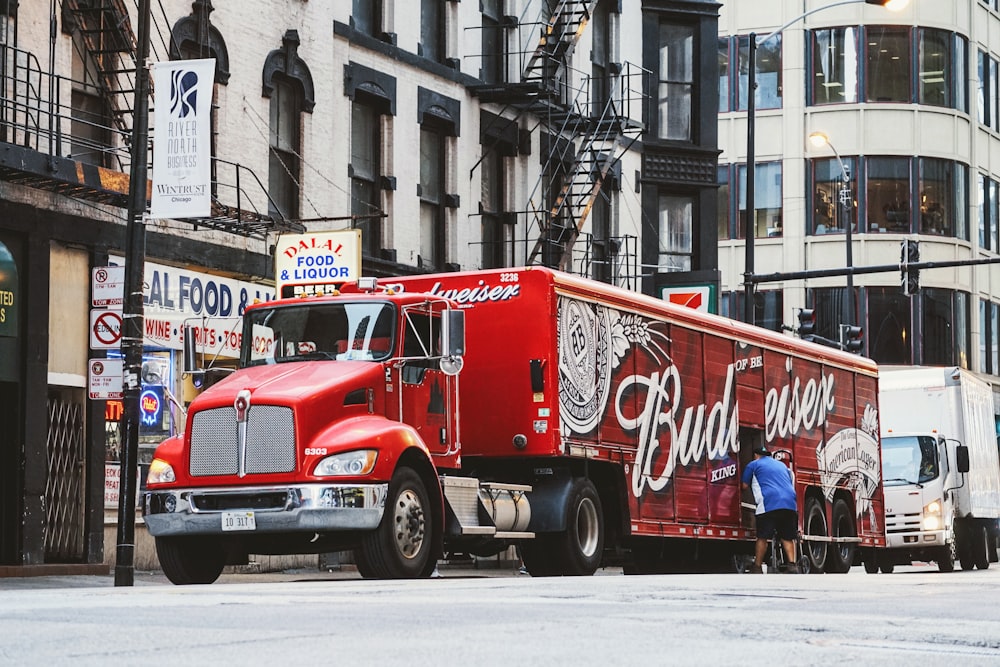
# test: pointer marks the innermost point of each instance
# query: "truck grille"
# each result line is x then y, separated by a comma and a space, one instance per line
902, 523
270, 442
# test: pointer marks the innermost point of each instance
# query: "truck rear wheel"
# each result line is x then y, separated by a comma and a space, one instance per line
815, 524
190, 560
980, 545
400, 548
578, 550
840, 555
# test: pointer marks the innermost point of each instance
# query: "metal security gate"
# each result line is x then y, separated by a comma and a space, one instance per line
65, 504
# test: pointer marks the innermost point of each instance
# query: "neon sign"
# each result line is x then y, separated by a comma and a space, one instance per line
150, 407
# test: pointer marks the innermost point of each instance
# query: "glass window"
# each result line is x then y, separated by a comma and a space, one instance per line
768, 73
724, 207
982, 89
888, 194
676, 223
366, 197
600, 58
767, 200
833, 199
285, 138
984, 334
768, 307
937, 196
963, 332
831, 306
960, 78
934, 74
723, 74
889, 333
493, 41
367, 16
432, 29
493, 192
603, 248
888, 64
676, 81
432, 165
835, 66
940, 334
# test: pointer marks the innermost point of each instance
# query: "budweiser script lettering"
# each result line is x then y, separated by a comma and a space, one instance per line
709, 431
481, 293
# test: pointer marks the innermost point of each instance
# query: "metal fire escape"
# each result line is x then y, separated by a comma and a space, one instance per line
591, 134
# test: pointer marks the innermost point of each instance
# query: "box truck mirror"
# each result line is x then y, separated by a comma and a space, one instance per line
962, 458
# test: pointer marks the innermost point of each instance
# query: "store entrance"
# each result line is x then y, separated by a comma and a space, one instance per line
10, 472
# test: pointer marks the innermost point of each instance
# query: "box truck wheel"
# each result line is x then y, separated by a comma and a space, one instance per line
576, 551
979, 542
840, 555
814, 523
400, 548
190, 560
946, 558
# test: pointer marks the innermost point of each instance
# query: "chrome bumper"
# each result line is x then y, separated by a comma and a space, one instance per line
277, 509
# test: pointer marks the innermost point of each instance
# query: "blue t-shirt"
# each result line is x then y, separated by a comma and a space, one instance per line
772, 485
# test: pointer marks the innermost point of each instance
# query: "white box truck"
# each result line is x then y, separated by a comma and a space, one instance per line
940, 468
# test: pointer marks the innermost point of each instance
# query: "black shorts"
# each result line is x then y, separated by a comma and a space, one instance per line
783, 522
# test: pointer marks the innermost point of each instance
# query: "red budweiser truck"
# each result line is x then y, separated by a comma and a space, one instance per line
465, 412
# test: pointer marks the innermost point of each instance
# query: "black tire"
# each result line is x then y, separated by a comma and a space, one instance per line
946, 558
190, 560
887, 568
871, 562
814, 523
401, 546
965, 538
840, 555
980, 545
578, 550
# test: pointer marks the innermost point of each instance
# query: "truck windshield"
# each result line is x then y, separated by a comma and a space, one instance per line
909, 460
353, 331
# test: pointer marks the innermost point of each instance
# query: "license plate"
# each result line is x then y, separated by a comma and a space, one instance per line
238, 521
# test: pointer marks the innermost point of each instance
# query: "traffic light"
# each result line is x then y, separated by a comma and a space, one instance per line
909, 278
852, 338
807, 323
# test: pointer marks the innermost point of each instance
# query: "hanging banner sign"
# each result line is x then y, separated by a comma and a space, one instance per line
182, 147
310, 264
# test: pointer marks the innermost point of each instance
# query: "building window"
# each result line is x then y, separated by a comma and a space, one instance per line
724, 75
365, 169
835, 66
937, 197
367, 16
832, 310
497, 239
830, 213
888, 65
676, 82
989, 337
604, 249
767, 200
889, 332
285, 137
888, 192
492, 70
432, 30
432, 196
988, 202
724, 207
768, 73
768, 308
933, 75
90, 128
945, 327
988, 92
601, 82
675, 233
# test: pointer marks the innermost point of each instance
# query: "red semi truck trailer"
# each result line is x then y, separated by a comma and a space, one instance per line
465, 412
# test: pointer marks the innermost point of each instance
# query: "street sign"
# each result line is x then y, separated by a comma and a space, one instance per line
105, 379
105, 329
107, 286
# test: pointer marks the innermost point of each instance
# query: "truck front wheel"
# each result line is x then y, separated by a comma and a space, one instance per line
578, 550
400, 548
190, 560
946, 558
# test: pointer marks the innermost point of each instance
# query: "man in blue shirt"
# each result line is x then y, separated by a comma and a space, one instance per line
774, 493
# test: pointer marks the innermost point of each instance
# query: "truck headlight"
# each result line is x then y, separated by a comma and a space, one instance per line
932, 516
360, 462
160, 472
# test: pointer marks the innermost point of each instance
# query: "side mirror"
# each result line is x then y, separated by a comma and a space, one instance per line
962, 458
453, 332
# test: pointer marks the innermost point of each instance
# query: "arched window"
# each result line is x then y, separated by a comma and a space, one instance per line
288, 84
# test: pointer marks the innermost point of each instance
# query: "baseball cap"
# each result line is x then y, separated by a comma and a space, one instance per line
762, 450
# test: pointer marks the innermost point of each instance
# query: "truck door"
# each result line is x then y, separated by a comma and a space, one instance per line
427, 397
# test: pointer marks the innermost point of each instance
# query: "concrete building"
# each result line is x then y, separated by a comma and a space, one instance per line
908, 102
455, 135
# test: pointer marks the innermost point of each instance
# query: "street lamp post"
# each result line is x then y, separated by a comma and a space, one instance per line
750, 227
819, 139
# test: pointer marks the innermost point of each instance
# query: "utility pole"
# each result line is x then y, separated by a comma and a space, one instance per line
132, 309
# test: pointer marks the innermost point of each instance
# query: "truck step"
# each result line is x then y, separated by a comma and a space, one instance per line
514, 535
